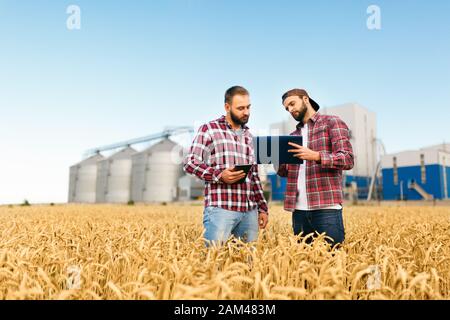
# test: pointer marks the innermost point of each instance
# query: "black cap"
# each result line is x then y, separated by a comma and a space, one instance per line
300, 93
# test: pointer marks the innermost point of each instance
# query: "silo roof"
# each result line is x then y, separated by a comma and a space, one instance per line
123, 154
162, 146
91, 160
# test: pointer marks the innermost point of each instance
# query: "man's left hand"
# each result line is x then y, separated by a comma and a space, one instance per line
263, 219
304, 153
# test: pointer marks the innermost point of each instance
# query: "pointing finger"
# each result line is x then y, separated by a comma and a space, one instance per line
294, 145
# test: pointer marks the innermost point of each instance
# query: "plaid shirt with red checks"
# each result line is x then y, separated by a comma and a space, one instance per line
328, 135
217, 147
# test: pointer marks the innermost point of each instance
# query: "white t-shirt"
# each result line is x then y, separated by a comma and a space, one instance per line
302, 199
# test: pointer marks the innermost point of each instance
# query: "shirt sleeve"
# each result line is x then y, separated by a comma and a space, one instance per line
195, 164
341, 157
281, 170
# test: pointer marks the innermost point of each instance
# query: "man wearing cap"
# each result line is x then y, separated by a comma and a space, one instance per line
314, 188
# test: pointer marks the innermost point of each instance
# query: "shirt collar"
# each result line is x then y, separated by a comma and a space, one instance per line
223, 120
313, 119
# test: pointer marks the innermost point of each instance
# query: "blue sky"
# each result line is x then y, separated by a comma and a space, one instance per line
135, 67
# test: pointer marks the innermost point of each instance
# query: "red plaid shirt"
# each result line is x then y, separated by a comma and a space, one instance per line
217, 147
328, 135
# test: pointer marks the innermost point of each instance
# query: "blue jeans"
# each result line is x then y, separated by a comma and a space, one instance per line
220, 224
325, 220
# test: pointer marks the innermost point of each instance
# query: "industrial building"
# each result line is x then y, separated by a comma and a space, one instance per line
418, 174
83, 180
156, 172
114, 177
190, 188
150, 175
363, 136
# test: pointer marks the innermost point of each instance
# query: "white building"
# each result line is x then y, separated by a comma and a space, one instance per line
416, 174
190, 188
83, 180
156, 172
114, 177
445, 147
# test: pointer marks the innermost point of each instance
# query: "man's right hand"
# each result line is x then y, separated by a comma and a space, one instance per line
229, 176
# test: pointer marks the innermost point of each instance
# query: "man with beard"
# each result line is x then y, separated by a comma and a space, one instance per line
314, 188
232, 207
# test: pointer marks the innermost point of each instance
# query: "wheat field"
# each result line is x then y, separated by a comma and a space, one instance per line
157, 252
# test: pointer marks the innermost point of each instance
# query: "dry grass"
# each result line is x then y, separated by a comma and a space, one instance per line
156, 252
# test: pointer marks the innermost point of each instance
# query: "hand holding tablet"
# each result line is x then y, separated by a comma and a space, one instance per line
245, 168
303, 153
236, 174
275, 149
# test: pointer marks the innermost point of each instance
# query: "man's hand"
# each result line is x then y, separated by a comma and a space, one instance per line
229, 176
304, 153
263, 219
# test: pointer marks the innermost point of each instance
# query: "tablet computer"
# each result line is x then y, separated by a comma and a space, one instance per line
244, 167
274, 149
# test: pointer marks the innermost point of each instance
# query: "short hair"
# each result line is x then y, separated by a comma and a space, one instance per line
233, 91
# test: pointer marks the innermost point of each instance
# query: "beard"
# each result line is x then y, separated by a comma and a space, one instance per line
300, 116
240, 121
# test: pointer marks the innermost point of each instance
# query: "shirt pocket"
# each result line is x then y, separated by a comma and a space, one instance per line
220, 150
320, 141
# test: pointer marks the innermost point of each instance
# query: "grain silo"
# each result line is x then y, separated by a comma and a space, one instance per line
156, 172
114, 177
83, 179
